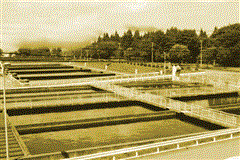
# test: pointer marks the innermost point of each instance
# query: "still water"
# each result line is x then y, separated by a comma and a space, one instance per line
99, 136
225, 103
107, 135
78, 115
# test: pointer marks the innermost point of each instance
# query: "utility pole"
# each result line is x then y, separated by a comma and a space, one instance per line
119, 48
81, 53
201, 59
152, 52
164, 62
5, 111
87, 54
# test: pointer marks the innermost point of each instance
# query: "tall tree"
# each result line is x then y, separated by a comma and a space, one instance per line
203, 34
189, 38
1, 52
227, 40
105, 37
171, 36
179, 53
127, 39
136, 40
99, 39
214, 32
116, 37
106, 49
136, 35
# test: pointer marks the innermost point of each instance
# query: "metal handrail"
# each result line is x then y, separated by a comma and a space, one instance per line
52, 155
89, 81
220, 116
159, 144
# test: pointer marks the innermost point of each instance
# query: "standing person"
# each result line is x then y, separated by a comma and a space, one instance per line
178, 71
174, 69
178, 68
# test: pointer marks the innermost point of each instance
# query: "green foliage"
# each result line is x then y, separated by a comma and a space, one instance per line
209, 55
127, 39
57, 52
179, 53
24, 51
226, 41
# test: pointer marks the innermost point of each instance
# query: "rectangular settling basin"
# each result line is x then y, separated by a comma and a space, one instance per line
128, 124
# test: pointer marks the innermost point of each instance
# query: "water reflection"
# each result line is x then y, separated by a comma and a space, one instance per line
107, 135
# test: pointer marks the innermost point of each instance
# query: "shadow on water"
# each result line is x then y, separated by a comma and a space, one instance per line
67, 108
203, 97
233, 111
198, 122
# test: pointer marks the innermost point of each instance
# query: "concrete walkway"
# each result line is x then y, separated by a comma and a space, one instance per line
214, 151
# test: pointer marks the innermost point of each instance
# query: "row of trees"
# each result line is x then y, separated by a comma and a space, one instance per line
39, 52
225, 46
180, 45
222, 46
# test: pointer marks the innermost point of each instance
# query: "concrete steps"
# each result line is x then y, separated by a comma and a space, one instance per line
14, 148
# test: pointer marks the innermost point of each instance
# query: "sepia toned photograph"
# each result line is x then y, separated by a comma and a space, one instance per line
120, 80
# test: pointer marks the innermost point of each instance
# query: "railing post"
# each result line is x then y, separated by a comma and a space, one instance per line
178, 146
196, 142
136, 154
214, 139
158, 150
114, 158
231, 136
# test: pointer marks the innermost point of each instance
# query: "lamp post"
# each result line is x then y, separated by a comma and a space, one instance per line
201, 60
87, 54
152, 52
119, 48
97, 50
5, 110
81, 53
164, 62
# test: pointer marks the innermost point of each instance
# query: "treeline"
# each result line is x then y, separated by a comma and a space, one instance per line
222, 46
39, 52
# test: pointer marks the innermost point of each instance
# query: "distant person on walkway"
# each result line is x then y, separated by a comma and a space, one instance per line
174, 70
178, 71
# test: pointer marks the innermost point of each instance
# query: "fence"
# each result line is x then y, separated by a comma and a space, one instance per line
156, 148
163, 102
58, 100
87, 151
223, 82
87, 81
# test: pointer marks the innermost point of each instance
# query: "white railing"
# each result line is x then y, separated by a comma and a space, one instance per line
218, 82
83, 151
216, 116
63, 100
89, 81
157, 148
196, 110
192, 91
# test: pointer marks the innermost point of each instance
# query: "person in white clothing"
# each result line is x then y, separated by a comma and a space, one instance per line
174, 70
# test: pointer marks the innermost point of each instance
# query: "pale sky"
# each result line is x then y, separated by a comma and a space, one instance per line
67, 24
